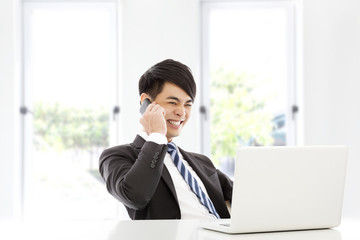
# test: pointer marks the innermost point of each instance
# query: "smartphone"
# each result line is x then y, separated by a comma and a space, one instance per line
144, 105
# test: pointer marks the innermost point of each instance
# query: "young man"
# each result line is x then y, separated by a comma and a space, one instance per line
153, 177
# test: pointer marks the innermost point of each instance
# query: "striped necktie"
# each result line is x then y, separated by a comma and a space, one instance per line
194, 185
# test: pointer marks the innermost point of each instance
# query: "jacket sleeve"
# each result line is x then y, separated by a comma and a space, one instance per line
130, 177
226, 185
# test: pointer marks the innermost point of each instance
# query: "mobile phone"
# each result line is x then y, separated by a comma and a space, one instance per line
144, 105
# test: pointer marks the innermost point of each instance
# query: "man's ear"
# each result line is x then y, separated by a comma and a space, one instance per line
143, 96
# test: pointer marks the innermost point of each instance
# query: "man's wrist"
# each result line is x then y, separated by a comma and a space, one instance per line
157, 138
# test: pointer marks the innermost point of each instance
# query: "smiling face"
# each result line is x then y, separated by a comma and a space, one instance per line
177, 105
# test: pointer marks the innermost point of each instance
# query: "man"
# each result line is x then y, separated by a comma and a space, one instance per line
155, 180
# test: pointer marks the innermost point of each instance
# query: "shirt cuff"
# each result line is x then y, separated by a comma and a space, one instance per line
157, 138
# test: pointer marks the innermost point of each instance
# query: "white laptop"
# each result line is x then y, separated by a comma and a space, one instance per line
285, 188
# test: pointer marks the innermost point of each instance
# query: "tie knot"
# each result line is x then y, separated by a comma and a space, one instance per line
171, 147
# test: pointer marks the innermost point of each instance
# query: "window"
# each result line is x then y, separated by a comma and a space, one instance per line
248, 77
70, 79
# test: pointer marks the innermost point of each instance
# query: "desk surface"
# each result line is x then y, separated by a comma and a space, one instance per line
159, 230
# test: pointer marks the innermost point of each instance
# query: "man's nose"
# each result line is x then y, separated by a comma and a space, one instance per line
180, 111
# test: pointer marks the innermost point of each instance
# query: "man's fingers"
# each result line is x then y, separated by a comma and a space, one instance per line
155, 107
150, 107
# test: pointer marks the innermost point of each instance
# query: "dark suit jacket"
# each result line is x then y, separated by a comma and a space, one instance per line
136, 175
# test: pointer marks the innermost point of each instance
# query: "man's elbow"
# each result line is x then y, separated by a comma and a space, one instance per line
131, 198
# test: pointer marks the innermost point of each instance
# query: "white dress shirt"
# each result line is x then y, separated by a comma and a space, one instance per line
190, 205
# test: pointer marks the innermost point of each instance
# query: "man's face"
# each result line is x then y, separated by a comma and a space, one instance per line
177, 105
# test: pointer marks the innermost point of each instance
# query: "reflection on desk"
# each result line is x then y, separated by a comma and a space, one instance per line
189, 229
157, 229
324, 234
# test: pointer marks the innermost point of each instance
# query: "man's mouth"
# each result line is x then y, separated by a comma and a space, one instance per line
176, 123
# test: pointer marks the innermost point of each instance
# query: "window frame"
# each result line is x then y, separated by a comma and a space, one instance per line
26, 94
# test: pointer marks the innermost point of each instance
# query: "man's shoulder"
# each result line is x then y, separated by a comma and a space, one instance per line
201, 158
129, 150
124, 149
121, 147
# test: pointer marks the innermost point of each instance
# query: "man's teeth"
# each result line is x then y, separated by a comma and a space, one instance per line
175, 123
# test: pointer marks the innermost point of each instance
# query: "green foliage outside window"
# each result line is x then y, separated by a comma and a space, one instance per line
237, 114
59, 127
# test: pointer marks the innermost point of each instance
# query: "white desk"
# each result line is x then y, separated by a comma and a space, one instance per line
157, 230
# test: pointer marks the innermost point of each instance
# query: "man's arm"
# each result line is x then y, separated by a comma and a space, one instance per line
226, 185
133, 178
227, 188
130, 178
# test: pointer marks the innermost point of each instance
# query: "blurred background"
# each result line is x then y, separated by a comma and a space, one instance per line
270, 72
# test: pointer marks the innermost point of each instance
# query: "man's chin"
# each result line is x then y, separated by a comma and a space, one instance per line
172, 135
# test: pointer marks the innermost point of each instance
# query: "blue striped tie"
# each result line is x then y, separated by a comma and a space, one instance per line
194, 185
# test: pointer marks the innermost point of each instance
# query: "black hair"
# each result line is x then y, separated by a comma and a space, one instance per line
153, 80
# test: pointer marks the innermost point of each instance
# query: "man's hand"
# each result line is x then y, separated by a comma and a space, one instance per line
228, 205
153, 120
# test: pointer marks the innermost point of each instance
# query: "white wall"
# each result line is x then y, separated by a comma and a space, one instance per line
331, 83
9, 108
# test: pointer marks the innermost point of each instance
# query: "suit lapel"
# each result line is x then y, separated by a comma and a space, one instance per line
201, 172
168, 180
138, 143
